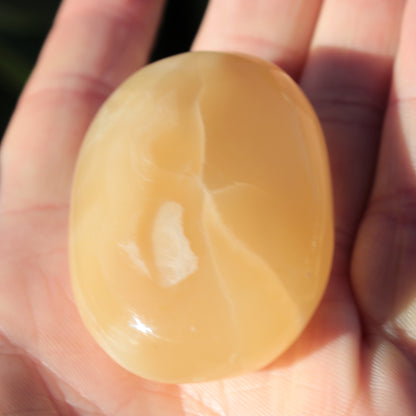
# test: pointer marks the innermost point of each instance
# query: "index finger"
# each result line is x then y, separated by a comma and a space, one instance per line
92, 47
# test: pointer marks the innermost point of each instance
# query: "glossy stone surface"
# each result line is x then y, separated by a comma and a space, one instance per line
201, 230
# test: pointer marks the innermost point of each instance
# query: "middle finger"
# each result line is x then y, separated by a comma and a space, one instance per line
276, 30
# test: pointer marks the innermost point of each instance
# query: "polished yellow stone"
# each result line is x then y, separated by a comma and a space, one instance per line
201, 231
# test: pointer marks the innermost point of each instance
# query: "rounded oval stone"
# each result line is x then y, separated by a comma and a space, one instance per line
201, 229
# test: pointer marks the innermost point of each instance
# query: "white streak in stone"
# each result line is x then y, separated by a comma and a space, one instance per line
174, 258
132, 250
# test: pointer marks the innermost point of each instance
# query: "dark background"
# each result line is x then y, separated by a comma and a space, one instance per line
25, 23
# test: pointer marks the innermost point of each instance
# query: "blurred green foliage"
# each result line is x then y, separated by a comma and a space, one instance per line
24, 25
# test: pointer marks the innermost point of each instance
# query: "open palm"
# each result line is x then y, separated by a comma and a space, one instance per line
356, 60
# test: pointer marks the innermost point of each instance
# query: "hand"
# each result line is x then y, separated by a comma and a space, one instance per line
356, 60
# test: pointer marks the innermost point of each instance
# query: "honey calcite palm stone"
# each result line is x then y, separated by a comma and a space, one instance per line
201, 230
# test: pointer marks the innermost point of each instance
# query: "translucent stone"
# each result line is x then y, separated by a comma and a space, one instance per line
201, 230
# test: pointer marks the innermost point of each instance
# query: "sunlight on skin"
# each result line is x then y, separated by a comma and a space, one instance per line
345, 363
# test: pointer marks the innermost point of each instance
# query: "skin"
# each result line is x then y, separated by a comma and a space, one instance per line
356, 60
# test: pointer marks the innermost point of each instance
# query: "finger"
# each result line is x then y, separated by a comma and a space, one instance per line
384, 261
92, 47
269, 29
347, 77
